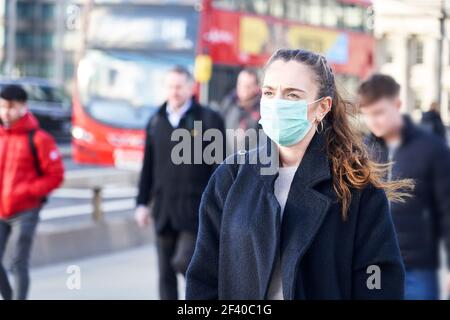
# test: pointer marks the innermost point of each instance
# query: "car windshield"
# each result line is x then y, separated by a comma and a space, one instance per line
124, 89
44, 94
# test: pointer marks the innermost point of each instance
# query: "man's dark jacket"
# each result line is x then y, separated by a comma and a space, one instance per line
432, 122
175, 188
423, 220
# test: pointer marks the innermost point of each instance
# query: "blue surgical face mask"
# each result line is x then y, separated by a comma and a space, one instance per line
285, 121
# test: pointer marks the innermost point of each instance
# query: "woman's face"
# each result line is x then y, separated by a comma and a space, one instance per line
293, 81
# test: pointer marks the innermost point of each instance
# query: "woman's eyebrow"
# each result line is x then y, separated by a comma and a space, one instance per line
285, 89
294, 89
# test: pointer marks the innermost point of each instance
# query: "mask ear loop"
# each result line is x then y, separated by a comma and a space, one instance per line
319, 121
316, 100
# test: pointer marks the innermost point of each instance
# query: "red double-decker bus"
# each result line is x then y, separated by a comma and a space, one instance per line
130, 45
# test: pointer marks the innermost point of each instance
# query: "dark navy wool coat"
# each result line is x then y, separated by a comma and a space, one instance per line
240, 236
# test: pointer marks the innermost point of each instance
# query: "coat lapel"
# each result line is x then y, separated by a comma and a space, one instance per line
305, 211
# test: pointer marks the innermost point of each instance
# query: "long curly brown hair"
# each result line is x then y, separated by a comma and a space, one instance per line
351, 165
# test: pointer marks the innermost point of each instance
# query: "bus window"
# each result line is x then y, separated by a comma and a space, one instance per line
226, 4
332, 14
293, 10
261, 7
277, 8
137, 28
354, 17
310, 12
123, 89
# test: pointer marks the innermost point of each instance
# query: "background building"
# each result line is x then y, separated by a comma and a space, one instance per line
413, 46
39, 38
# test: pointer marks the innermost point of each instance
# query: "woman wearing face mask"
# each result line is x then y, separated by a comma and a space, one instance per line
320, 226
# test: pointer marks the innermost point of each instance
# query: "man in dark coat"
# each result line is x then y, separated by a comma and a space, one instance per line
175, 187
432, 122
423, 220
240, 110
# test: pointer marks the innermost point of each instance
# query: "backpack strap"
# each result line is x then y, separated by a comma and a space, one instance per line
34, 152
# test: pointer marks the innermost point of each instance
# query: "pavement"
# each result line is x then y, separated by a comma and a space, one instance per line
125, 275
67, 229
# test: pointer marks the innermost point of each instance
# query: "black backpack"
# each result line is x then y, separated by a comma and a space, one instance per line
35, 157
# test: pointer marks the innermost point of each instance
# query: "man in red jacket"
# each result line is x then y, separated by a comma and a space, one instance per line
30, 168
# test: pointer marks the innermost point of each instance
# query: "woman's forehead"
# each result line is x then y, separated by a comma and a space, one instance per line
291, 74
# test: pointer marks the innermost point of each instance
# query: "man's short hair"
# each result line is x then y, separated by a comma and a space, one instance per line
14, 92
377, 87
182, 70
251, 72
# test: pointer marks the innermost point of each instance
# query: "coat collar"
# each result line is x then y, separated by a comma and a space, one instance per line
409, 129
314, 167
305, 211
303, 215
407, 133
194, 108
25, 124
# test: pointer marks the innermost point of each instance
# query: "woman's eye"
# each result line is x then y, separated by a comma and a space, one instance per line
267, 93
293, 96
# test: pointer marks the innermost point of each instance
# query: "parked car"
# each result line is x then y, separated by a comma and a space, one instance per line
49, 104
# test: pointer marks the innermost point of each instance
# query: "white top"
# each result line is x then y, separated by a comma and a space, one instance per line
174, 115
281, 190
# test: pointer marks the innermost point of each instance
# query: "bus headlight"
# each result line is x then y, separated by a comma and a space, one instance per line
79, 133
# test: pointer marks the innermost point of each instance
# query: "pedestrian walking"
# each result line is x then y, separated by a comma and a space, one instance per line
175, 189
30, 168
432, 122
423, 221
240, 110
317, 228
